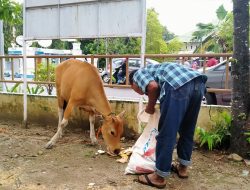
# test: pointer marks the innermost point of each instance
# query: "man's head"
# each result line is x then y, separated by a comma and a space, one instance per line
131, 75
134, 86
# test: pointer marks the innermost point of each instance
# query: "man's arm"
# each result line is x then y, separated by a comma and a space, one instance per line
153, 92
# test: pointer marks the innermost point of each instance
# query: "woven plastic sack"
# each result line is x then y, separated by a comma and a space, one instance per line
142, 159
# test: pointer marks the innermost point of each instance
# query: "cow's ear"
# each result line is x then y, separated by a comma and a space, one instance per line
122, 114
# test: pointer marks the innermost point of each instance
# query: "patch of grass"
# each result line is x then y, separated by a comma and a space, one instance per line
89, 153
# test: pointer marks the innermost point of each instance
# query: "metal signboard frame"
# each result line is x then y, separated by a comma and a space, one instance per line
64, 19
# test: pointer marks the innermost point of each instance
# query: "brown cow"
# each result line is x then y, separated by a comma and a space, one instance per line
78, 84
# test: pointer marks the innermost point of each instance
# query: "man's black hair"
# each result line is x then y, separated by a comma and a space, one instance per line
131, 76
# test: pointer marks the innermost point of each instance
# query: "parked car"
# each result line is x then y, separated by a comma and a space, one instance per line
17, 75
216, 79
134, 63
6, 74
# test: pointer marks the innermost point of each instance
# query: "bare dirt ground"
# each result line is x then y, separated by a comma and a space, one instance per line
72, 164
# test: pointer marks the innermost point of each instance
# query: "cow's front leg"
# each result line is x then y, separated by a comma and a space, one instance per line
58, 134
92, 128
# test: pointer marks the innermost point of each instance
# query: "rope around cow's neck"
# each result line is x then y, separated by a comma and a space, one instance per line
111, 113
98, 132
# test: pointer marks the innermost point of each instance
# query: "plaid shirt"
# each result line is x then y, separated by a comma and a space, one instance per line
175, 74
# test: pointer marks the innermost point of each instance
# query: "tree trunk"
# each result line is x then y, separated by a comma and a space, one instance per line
240, 77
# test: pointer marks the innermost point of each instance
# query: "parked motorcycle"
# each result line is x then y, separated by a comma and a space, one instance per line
106, 76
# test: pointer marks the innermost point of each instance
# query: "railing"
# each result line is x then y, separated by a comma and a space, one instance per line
49, 62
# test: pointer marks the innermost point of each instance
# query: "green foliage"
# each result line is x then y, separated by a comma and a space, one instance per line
113, 79
216, 38
10, 11
211, 139
58, 44
123, 46
248, 137
167, 35
221, 12
43, 75
14, 88
35, 90
11, 14
203, 30
225, 33
111, 46
219, 134
174, 45
154, 43
211, 45
158, 36
42, 72
242, 116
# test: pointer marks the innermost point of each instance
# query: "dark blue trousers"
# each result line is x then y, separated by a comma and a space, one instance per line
179, 112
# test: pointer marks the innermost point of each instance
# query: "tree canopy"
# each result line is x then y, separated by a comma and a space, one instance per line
217, 38
154, 42
11, 14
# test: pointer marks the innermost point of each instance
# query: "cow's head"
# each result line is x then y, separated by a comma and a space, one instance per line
112, 129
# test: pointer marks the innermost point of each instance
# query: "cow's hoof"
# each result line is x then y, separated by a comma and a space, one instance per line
49, 145
94, 142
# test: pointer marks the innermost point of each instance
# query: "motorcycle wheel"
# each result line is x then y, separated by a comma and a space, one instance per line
105, 78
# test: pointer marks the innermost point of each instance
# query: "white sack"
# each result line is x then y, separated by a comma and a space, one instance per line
142, 159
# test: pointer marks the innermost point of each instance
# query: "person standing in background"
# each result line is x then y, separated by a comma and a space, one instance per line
186, 62
211, 62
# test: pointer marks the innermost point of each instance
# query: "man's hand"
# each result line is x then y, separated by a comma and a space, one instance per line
150, 110
153, 92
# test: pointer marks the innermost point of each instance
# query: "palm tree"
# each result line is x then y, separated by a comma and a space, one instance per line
213, 37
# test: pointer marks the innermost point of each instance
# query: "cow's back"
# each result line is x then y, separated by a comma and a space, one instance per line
76, 77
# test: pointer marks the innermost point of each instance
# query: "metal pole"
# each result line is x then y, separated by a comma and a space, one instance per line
1, 53
1, 38
24, 69
143, 47
106, 46
144, 26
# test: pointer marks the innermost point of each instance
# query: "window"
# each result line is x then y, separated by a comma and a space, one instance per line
221, 68
134, 63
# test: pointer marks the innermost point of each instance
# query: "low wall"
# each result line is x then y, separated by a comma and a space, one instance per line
43, 110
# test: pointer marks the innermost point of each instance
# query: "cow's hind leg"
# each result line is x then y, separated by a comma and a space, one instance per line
62, 124
61, 109
92, 128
